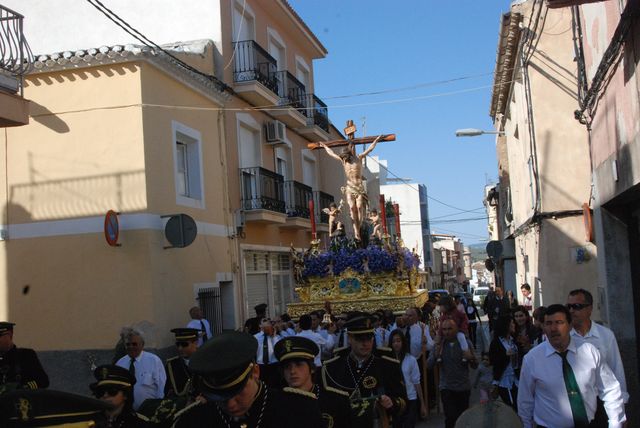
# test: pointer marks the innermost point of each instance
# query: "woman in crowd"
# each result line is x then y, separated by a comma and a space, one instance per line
114, 385
411, 375
504, 356
526, 333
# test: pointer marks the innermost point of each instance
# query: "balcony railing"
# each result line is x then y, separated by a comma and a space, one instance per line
322, 200
15, 54
292, 92
317, 112
262, 190
253, 63
297, 196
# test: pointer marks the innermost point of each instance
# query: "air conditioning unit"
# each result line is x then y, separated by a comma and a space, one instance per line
275, 132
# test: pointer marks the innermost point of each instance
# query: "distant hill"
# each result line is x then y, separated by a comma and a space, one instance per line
478, 252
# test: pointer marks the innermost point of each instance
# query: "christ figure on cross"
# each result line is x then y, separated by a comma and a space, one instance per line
354, 191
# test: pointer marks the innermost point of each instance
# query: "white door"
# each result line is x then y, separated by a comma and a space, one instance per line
309, 172
243, 24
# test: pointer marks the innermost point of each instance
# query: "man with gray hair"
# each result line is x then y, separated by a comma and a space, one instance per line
146, 367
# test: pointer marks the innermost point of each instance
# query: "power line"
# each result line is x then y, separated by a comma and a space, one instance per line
409, 88
455, 214
412, 187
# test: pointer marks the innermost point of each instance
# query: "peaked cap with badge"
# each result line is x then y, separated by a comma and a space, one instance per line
111, 375
295, 347
186, 333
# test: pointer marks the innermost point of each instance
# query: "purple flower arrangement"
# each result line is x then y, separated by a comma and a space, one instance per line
373, 259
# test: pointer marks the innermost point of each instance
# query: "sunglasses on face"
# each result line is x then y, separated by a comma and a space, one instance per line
111, 392
577, 306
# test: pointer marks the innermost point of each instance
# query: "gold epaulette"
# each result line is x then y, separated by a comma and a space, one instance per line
300, 392
142, 417
385, 348
172, 358
186, 409
336, 390
393, 360
336, 350
331, 360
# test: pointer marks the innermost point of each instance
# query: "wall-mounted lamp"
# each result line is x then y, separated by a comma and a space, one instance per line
472, 132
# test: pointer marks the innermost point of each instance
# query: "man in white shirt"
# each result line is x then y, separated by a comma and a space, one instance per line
305, 331
198, 322
418, 333
545, 385
265, 357
146, 367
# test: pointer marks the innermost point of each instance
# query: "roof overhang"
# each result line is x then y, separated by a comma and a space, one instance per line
321, 51
508, 42
555, 4
120, 54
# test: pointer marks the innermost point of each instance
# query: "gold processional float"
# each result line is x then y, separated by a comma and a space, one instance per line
366, 273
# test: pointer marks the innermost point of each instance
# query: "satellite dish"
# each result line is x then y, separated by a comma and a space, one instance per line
494, 249
180, 230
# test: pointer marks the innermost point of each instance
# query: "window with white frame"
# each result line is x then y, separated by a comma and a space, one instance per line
187, 155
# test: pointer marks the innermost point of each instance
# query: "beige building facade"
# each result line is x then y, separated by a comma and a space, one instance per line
218, 131
543, 158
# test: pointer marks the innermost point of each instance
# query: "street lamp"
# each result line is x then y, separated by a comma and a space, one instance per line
471, 132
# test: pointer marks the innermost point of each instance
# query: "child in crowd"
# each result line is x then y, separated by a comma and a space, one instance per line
484, 377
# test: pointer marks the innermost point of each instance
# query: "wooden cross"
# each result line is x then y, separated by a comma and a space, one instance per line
350, 131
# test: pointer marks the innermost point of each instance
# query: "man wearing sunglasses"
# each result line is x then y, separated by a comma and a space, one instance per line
580, 304
179, 382
147, 368
114, 386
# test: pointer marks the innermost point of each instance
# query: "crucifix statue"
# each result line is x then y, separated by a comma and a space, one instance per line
354, 191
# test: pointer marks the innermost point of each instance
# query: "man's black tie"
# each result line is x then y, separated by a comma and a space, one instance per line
265, 349
132, 367
204, 331
580, 419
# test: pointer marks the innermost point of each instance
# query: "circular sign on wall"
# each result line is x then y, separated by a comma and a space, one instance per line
111, 228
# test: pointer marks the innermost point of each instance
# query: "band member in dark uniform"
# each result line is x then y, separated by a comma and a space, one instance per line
229, 379
114, 386
20, 368
296, 355
179, 382
374, 384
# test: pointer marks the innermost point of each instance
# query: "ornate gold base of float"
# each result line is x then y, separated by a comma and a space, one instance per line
352, 291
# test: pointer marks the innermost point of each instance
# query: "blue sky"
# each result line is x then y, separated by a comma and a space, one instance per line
379, 45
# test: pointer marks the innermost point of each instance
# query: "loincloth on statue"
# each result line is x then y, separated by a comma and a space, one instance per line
357, 191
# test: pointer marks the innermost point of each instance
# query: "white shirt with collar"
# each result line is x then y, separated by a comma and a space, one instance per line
198, 326
320, 341
542, 394
150, 377
271, 341
603, 338
382, 337
415, 347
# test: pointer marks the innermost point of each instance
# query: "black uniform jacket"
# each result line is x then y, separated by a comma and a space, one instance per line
22, 366
124, 420
282, 409
335, 407
375, 377
178, 378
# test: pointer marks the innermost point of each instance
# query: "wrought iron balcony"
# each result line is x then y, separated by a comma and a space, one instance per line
15, 54
292, 92
322, 200
317, 112
297, 197
262, 190
253, 63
